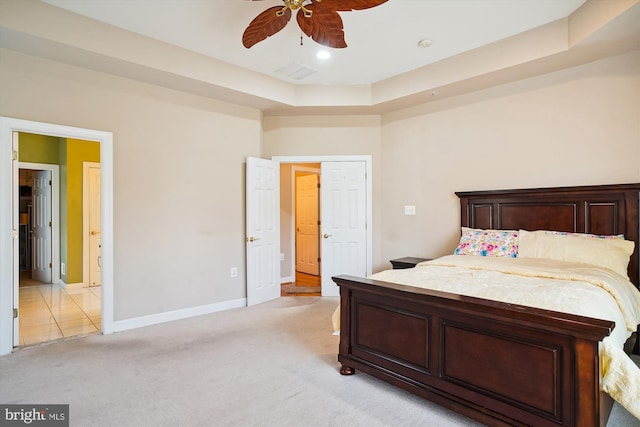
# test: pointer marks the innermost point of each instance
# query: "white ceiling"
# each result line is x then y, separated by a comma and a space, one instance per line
382, 41
195, 46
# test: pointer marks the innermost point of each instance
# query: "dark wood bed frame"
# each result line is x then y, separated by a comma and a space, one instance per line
498, 363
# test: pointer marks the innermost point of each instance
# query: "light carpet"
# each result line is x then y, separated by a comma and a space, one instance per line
273, 364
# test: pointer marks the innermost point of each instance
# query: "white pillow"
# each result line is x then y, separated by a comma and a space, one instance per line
607, 253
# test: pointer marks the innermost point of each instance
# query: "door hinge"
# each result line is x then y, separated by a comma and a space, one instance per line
15, 313
49, 182
318, 222
49, 223
318, 259
318, 185
50, 265
15, 155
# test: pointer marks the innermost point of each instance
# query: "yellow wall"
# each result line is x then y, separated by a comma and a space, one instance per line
77, 152
69, 154
35, 148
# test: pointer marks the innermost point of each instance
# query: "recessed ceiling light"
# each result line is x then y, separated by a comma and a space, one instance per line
425, 43
323, 54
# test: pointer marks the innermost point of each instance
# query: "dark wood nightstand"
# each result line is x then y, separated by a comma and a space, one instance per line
406, 262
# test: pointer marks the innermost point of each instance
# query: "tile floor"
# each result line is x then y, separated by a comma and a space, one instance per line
49, 312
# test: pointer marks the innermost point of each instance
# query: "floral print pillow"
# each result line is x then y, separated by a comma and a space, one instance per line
494, 243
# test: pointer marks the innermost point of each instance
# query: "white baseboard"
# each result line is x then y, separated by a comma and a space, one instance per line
72, 285
286, 280
154, 319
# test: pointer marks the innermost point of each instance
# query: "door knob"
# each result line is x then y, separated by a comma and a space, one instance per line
252, 239
93, 233
326, 236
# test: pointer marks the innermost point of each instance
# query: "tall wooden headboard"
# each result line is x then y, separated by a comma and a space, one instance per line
601, 209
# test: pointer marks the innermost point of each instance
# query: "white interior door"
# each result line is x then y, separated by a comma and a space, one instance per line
307, 227
41, 222
262, 230
95, 239
343, 222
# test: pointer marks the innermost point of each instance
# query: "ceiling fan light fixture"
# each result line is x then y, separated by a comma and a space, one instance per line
295, 5
323, 54
318, 19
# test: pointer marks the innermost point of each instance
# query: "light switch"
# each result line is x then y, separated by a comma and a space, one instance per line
410, 210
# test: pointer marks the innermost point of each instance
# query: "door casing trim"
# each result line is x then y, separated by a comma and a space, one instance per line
295, 168
368, 168
55, 214
9, 221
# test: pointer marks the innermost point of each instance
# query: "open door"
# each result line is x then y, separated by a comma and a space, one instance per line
92, 256
41, 227
343, 222
262, 230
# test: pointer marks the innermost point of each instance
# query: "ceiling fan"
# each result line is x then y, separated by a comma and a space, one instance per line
318, 19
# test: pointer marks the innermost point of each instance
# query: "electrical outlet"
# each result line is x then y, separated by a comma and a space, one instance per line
63, 268
281, 257
234, 271
410, 210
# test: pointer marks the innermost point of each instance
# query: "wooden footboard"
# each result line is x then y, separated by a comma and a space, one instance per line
498, 363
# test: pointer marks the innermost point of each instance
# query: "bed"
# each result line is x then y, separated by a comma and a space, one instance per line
497, 362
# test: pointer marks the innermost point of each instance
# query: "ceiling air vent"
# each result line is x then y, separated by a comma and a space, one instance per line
295, 71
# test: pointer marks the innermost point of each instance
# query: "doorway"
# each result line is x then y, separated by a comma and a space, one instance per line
53, 299
346, 218
38, 236
304, 202
339, 257
10, 315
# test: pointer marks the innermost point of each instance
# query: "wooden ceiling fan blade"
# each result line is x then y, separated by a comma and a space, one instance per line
265, 25
324, 26
347, 5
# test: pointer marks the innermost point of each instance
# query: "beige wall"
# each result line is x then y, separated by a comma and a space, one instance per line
579, 126
178, 178
179, 162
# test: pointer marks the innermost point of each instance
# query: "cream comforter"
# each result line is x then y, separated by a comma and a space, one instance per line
554, 285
